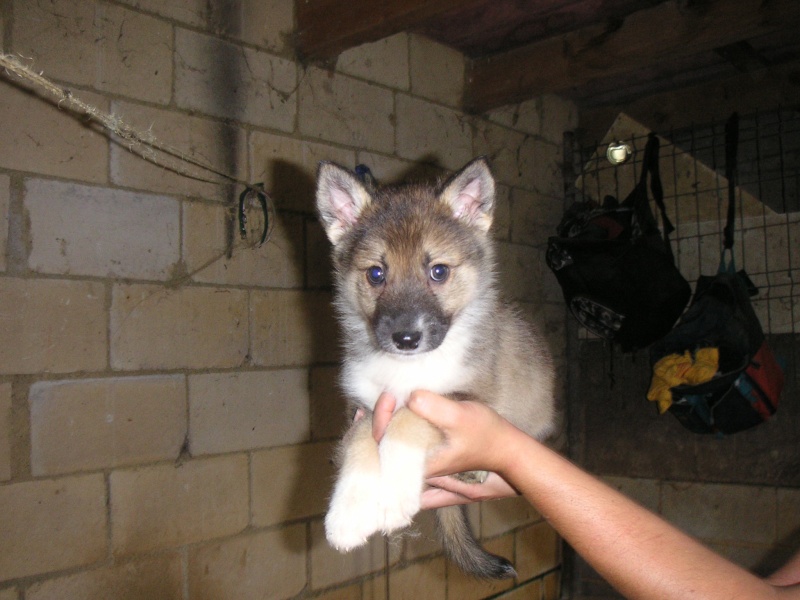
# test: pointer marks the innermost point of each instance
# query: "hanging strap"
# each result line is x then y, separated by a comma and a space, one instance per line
731, 147
650, 165
731, 174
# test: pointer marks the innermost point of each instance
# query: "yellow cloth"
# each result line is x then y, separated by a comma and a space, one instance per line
675, 369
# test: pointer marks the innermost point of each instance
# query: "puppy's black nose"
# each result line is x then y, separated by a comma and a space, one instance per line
407, 340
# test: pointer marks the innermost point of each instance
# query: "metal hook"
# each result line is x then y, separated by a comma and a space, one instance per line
266, 208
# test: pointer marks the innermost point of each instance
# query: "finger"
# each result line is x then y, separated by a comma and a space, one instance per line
439, 498
493, 488
384, 409
438, 410
360, 412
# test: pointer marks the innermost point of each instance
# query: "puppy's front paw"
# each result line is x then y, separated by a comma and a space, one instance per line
403, 472
472, 476
355, 512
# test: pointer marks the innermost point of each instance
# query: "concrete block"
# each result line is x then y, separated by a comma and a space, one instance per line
244, 411
292, 328
134, 54
426, 579
99, 45
384, 62
529, 591
788, 514
391, 170
42, 138
169, 505
51, 525
437, 71
190, 12
105, 423
292, 482
5, 199
219, 145
646, 492
340, 109
521, 273
277, 263
318, 269
525, 117
57, 326
267, 24
534, 217
512, 153
103, 232
551, 584
542, 170
421, 539
141, 579
538, 550
751, 557
558, 115
521, 160
329, 416
288, 167
501, 226
427, 132
11, 593
5, 431
501, 516
60, 36
221, 79
721, 512
268, 565
154, 327
329, 567
352, 592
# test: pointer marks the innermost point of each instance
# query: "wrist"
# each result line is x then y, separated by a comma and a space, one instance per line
509, 451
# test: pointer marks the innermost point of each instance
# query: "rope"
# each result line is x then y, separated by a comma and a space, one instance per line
143, 144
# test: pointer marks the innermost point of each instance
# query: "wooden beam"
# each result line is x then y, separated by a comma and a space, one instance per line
325, 28
668, 30
763, 90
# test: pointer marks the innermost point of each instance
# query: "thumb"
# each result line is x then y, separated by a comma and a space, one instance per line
437, 410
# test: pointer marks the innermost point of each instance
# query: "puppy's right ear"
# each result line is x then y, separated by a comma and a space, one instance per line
340, 199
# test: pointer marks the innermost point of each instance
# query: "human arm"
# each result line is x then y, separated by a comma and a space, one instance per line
634, 550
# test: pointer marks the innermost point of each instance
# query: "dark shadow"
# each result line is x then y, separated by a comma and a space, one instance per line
780, 554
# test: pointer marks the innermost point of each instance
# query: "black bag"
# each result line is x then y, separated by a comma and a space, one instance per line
746, 387
616, 271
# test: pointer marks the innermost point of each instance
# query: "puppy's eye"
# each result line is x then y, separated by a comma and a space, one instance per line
439, 273
376, 275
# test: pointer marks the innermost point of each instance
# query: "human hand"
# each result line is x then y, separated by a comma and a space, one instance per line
443, 490
449, 491
382, 414
476, 437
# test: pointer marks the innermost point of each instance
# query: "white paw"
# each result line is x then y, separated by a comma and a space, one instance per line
403, 475
355, 512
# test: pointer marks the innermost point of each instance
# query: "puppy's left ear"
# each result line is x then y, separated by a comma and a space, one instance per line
470, 194
340, 199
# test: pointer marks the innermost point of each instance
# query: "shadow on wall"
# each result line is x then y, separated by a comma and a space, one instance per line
780, 554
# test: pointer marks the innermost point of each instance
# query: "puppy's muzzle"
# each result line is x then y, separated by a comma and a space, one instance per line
411, 328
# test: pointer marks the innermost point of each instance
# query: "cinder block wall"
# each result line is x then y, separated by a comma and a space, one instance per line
167, 413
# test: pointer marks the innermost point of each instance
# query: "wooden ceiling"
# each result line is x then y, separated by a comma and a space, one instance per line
603, 54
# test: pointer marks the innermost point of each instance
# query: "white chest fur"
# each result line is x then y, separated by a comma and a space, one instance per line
443, 371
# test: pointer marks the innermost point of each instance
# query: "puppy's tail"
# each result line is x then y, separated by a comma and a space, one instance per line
462, 548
